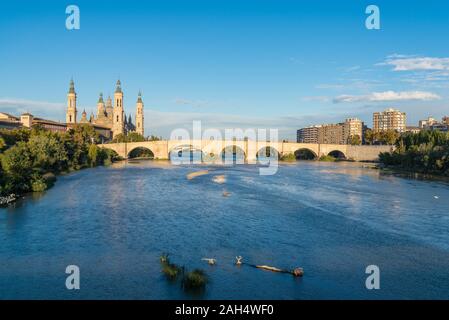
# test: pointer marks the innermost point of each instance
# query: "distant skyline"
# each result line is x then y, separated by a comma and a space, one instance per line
262, 64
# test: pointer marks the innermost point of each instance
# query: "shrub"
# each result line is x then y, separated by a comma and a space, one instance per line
38, 185
288, 157
170, 270
195, 279
327, 158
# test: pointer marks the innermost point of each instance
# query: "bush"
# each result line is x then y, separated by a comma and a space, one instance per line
327, 159
170, 270
195, 279
38, 185
288, 157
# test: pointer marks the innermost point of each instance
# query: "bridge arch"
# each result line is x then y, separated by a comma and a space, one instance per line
186, 153
233, 154
140, 152
268, 152
337, 154
305, 154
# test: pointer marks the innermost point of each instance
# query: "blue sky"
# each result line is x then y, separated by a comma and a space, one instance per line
253, 63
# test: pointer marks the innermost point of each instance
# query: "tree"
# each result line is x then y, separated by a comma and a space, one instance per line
389, 137
370, 137
426, 152
355, 140
135, 137
2, 144
92, 154
17, 163
131, 137
154, 138
48, 152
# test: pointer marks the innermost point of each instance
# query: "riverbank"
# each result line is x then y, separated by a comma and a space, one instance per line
410, 174
4, 201
30, 160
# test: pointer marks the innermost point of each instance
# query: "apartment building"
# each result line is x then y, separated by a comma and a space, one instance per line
390, 119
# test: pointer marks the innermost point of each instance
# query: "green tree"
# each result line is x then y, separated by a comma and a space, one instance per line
389, 137
370, 137
119, 138
2, 144
93, 154
48, 152
135, 137
17, 162
154, 138
355, 140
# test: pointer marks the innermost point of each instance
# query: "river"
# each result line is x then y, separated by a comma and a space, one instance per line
331, 219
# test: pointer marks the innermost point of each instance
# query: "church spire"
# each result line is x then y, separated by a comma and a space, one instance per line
72, 86
118, 86
139, 97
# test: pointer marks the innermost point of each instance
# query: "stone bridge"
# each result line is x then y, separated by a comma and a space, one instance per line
213, 150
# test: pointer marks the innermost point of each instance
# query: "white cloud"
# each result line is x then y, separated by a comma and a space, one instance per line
22, 103
192, 103
316, 98
38, 108
388, 96
406, 63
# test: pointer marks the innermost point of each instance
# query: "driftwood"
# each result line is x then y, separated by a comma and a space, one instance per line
297, 272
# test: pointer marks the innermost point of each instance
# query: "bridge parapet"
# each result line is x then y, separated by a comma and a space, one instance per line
162, 149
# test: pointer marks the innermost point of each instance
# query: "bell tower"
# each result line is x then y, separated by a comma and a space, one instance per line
139, 115
118, 121
71, 104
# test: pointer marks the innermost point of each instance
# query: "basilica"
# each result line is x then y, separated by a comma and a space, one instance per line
110, 115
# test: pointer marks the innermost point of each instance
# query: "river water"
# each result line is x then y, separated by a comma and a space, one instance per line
331, 219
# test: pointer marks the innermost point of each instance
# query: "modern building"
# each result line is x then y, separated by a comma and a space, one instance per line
427, 122
332, 134
390, 119
307, 135
439, 127
433, 124
354, 127
340, 133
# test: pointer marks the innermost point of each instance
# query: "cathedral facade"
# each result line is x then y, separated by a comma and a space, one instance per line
110, 115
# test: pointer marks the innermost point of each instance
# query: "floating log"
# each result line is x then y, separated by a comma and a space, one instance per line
210, 261
297, 272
